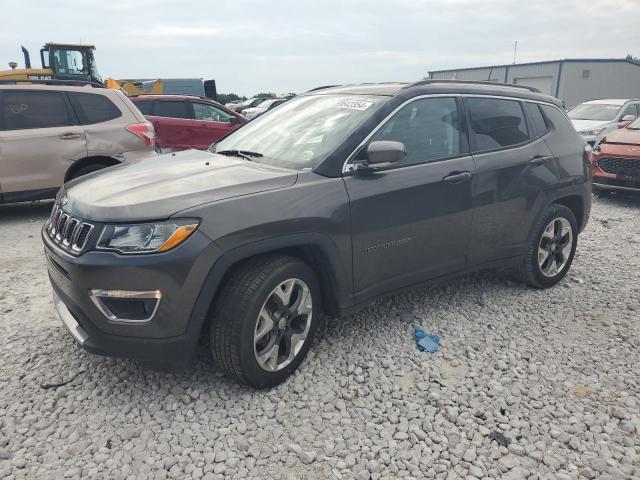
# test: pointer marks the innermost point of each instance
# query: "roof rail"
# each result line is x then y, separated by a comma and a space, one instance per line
430, 81
322, 88
71, 83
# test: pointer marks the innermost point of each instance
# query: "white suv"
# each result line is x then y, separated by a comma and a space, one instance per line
51, 134
594, 118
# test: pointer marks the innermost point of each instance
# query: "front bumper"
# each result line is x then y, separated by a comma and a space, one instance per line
171, 336
616, 185
625, 178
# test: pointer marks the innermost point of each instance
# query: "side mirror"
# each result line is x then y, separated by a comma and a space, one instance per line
628, 118
233, 120
385, 152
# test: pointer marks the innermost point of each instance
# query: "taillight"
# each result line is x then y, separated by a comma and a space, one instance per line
145, 131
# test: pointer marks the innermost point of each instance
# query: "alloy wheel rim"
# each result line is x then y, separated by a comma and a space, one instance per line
283, 325
555, 247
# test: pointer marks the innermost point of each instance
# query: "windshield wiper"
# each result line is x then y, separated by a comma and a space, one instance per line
246, 154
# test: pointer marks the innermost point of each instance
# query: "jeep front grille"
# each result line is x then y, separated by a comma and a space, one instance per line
627, 167
69, 233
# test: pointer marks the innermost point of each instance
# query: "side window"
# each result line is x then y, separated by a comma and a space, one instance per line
171, 109
204, 111
145, 107
429, 129
538, 123
23, 109
92, 108
629, 110
495, 123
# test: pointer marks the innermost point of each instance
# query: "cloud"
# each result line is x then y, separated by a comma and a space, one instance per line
255, 45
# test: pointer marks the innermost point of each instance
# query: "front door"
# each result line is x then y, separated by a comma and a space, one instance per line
38, 142
411, 221
210, 125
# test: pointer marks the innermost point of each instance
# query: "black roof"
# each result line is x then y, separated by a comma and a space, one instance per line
426, 87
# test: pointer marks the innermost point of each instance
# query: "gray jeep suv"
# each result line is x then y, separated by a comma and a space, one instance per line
319, 206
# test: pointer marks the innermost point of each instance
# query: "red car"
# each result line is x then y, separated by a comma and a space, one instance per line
615, 161
183, 121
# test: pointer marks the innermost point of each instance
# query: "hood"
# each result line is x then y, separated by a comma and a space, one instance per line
624, 136
588, 124
158, 187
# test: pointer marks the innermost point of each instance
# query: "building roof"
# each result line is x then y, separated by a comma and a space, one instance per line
546, 62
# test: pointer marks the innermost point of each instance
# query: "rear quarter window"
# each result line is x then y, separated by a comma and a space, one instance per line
27, 109
91, 108
538, 123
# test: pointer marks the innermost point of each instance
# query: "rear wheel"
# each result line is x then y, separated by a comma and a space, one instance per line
551, 248
265, 319
86, 170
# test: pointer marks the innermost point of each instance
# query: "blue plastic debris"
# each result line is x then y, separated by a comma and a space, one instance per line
427, 342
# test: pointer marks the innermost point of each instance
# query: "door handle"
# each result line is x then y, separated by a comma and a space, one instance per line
457, 177
70, 136
539, 160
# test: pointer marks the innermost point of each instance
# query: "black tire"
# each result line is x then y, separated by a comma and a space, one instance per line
235, 317
529, 270
86, 170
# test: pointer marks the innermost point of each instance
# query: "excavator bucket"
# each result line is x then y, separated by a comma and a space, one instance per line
153, 87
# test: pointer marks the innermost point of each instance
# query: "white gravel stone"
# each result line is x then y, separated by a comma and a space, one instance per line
555, 371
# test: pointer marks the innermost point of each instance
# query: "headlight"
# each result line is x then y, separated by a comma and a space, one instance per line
592, 132
146, 237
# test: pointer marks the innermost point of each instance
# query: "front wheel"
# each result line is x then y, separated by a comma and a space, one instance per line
265, 319
551, 248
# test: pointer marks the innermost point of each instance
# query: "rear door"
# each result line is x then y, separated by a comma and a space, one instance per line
39, 140
412, 221
515, 170
105, 118
173, 124
210, 124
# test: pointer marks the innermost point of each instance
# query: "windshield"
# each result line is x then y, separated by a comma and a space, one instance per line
635, 125
594, 111
302, 132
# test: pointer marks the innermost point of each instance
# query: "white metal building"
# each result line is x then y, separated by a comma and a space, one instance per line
573, 81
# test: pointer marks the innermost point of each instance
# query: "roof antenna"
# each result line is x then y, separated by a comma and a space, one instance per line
515, 51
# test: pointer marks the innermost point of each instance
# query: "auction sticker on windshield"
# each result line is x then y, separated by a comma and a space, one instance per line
351, 104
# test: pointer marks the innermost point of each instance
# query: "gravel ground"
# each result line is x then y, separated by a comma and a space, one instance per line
556, 372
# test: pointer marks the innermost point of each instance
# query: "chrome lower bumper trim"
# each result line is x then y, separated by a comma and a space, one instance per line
74, 328
605, 186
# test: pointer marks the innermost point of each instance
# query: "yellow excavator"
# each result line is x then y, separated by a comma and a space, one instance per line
73, 62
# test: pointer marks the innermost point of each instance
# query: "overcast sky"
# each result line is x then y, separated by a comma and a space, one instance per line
283, 45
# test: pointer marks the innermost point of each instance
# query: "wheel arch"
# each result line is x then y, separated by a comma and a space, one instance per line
90, 160
576, 205
317, 250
